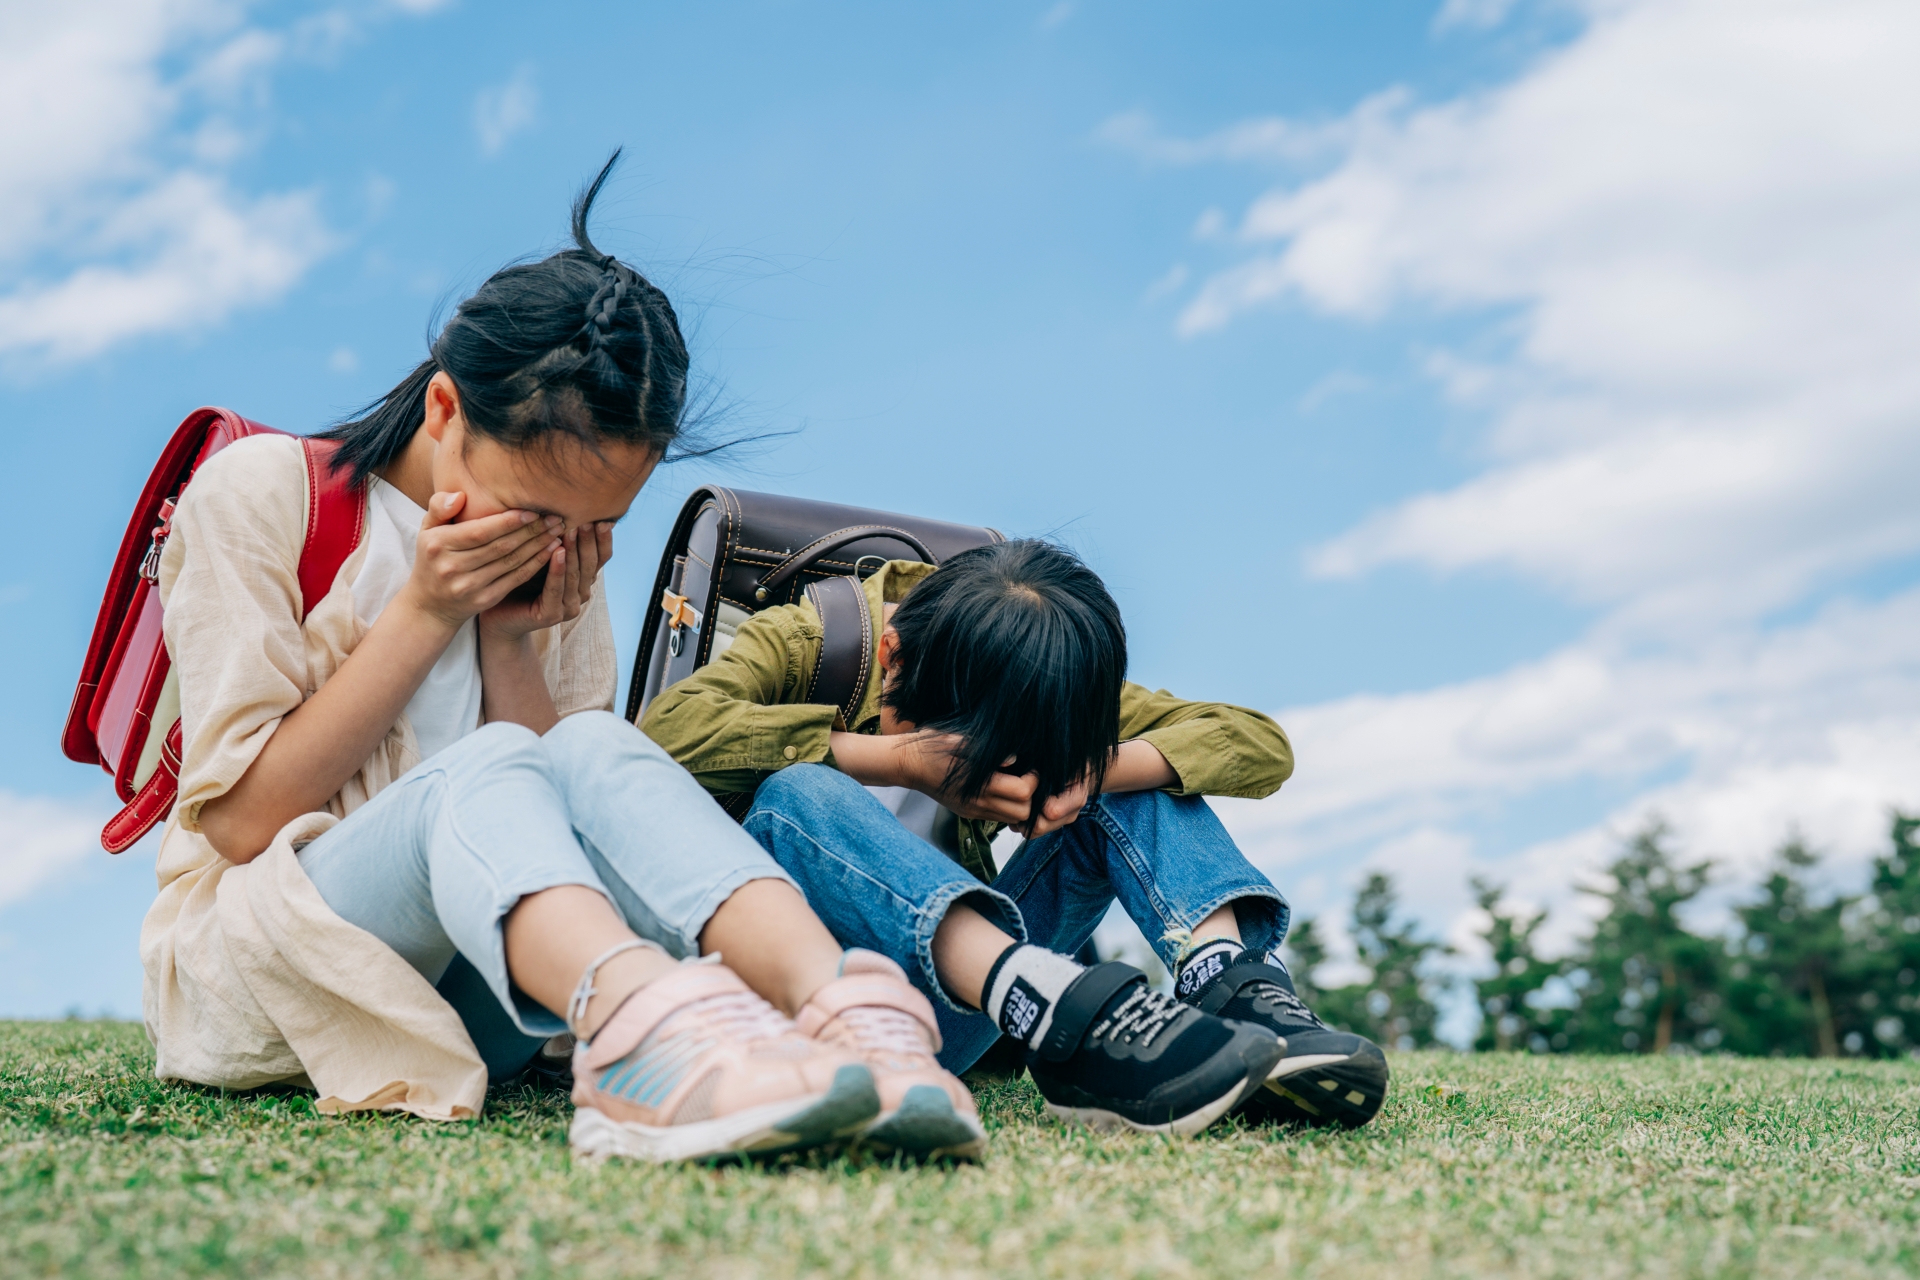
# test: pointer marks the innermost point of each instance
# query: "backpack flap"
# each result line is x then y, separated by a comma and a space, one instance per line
122, 675
734, 552
126, 710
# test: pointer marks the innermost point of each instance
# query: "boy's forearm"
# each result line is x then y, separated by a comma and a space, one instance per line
1138, 766
869, 759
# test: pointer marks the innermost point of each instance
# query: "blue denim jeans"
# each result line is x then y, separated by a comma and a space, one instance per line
1166, 859
432, 864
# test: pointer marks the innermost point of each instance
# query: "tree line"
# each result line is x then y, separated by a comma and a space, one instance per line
1797, 972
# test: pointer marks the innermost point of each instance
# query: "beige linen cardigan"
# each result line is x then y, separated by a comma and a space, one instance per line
250, 978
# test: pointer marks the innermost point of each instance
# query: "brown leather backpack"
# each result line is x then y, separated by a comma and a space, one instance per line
733, 553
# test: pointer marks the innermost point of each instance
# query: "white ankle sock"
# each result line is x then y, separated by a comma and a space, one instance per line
1208, 961
1022, 988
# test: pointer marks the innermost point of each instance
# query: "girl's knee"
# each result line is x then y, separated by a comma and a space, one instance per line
595, 726
490, 743
599, 736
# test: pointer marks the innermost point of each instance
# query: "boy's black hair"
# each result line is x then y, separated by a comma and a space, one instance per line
575, 346
1019, 649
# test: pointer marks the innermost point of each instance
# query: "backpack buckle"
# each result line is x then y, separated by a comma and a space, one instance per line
681, 618
150, 564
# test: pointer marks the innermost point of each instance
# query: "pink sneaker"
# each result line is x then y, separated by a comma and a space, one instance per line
870, 1010
695, 1065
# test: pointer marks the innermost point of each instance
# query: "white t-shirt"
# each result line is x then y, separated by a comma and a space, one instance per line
446, 706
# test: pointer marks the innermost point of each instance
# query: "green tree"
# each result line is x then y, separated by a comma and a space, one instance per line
1645, 982
1342, 1007
1513, 1014
1886, 952
1395, 1005
1305, 951
1788, 970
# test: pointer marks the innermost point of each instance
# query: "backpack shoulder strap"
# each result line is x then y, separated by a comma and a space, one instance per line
336, 518
846, 647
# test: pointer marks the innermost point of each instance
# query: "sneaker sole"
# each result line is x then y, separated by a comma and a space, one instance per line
773, 1129
1101, 1120
1329, 1088
1259, 1058
927, 1127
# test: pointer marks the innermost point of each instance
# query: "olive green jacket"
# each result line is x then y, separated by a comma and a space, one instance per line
741, 717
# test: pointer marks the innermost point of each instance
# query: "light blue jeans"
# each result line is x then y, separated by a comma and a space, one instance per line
432, 864
1166, 860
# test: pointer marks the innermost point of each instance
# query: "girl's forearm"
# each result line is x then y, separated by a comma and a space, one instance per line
326, 739
513, 687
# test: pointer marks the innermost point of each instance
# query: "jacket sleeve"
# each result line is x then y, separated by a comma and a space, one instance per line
732, 723
1216, 748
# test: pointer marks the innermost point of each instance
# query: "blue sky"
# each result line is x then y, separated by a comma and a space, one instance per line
1475, 385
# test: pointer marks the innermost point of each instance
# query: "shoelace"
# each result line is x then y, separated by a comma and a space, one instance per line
878, 1029
739, 1015
1290, 1003
1145, 1013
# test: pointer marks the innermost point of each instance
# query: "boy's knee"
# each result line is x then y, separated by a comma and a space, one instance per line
799, 785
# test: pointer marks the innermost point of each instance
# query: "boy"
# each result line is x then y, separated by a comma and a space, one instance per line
1001, 702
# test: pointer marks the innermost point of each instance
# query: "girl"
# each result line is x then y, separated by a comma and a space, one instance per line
411, 841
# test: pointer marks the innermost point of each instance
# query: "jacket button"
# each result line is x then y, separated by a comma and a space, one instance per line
790, 752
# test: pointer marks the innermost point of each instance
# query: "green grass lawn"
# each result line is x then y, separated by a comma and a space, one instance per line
1478, 1166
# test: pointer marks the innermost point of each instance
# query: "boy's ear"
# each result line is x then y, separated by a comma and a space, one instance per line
889, 654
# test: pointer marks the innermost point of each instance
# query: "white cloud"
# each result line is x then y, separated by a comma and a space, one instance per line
1175, 276
194, 246
43, 840
503, 111
1686, 241
1700, 211
1472, 13
117, 216
1271, 139
1814, 727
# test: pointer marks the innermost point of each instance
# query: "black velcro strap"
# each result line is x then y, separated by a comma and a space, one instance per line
1228, 984
1081, 1003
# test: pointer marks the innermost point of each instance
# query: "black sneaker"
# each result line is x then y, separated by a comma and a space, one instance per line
552, 1067
1327, 1077
1119, 1054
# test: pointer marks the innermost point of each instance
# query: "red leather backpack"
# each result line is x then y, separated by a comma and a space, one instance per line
126, 711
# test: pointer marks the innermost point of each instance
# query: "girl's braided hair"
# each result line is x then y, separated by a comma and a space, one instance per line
575, 346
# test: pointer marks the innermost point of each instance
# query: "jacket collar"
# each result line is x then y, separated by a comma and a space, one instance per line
889, 585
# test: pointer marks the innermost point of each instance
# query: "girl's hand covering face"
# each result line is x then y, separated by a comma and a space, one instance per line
460, 570
573, 565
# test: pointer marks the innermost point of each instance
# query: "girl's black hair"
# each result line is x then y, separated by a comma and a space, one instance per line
578, 345
1019, 649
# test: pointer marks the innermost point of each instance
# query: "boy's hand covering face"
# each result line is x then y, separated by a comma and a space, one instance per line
927, 756
1008, 798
